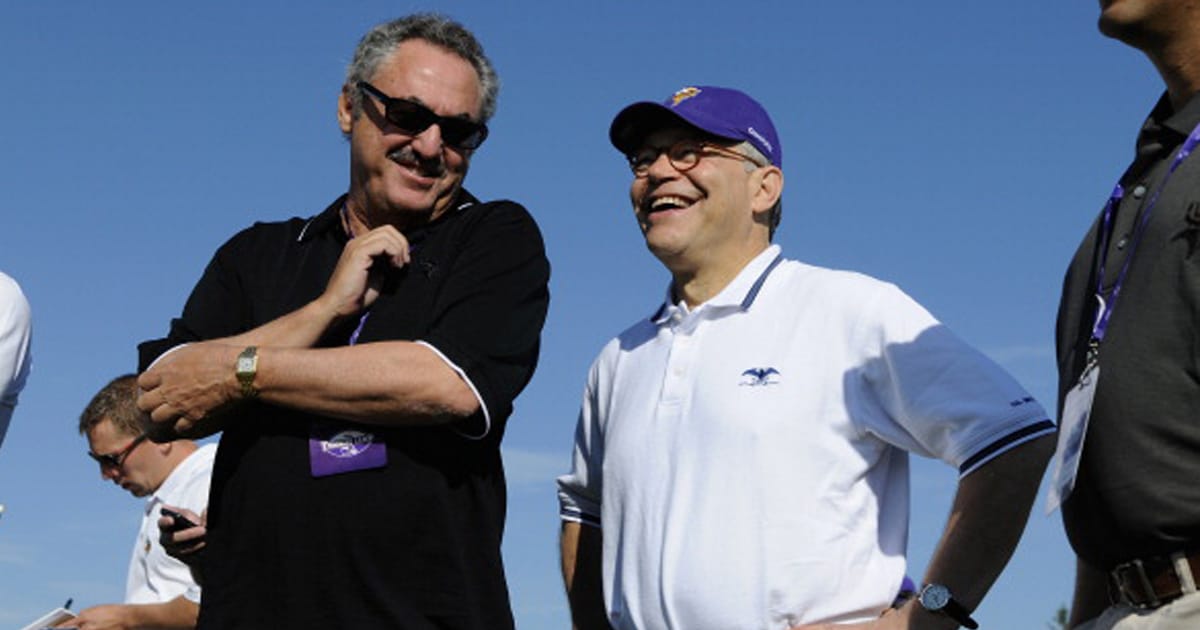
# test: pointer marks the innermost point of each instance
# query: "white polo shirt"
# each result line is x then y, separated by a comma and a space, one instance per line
154, 577
15, 333
747, 460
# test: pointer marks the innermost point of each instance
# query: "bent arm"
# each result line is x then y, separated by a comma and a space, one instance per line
500, 275
392, 383
581, 552
177, 614
986, 521
389, 383
1091, 594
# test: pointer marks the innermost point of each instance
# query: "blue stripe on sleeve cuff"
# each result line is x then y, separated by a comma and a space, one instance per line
1024, 434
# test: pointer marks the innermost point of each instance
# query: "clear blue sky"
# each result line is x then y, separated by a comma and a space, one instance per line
958, 149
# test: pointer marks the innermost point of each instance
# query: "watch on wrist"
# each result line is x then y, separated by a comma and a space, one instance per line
936, 598
246, 369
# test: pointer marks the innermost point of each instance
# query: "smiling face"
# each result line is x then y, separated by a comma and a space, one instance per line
396, 177
710, 217
142, 470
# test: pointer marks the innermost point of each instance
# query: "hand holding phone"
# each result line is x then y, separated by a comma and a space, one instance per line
179, 522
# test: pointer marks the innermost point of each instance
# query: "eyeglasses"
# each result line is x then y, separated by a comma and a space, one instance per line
116, 460
412, 118
683, 156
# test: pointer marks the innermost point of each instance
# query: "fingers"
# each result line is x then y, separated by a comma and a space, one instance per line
149, 380
382, 243
357, 279
163, 411
385, 241
183, 542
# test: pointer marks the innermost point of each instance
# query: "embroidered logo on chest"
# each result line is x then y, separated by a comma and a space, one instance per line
760, 377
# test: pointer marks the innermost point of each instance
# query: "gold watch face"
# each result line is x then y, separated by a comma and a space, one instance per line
247, 363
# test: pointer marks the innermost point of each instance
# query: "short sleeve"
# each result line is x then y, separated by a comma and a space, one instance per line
215, 308
489, 313
579, 492
936, 395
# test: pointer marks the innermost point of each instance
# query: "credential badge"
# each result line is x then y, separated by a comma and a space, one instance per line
347, 443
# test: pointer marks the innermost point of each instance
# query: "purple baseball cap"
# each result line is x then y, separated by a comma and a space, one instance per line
722, 112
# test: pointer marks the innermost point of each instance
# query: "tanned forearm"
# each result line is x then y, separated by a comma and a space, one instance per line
990, 510
178, 613
582, 576
394, 383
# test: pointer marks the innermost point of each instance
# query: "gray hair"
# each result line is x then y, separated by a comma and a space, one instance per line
381, 41
776, 213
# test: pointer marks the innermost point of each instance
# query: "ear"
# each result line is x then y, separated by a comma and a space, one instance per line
766, 188
345, 110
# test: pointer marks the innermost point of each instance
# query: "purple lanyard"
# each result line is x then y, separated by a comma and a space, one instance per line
367, 313
1107, 302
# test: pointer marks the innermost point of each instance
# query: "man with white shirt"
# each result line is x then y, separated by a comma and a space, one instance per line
14, 348
160, 591
741, 459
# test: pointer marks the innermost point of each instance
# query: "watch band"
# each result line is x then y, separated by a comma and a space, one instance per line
937, 599
246, 369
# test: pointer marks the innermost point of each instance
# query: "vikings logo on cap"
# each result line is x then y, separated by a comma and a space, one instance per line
723, 112
683, 95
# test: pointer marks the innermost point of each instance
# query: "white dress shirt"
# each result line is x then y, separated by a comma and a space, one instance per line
155, 577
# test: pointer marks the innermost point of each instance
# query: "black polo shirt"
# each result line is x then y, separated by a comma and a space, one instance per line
415, 544
1138, 489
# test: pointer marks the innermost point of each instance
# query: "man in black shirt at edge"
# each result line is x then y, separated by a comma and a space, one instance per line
362, 364
1133, 517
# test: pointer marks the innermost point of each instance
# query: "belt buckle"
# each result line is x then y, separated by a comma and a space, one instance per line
1139, 568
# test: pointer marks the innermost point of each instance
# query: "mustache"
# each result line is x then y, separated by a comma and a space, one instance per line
427, 166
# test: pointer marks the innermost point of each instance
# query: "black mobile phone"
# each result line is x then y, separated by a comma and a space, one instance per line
179, 521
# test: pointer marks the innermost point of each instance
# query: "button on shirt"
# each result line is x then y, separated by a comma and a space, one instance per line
155, 577
746, 460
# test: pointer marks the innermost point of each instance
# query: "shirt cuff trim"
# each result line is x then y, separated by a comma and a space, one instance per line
1014, 439
487, 417
574, 515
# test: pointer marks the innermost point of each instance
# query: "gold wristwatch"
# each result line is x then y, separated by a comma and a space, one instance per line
246, 369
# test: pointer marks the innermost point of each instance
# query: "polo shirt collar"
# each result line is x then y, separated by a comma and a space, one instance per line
738, 295
1181, 122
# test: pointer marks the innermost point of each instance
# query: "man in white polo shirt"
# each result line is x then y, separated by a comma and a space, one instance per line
160, 591
741, 459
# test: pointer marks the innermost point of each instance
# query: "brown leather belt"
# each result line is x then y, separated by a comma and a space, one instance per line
1152, 582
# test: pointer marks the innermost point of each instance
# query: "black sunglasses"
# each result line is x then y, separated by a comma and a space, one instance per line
116, 460
413, 118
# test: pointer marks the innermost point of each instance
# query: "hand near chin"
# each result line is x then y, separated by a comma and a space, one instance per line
187, 391
360, 271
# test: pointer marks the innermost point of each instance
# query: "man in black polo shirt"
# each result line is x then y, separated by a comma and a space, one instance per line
1128, 342
362, 364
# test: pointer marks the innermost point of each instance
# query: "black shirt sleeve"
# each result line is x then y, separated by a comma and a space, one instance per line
490, 310
214, 309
